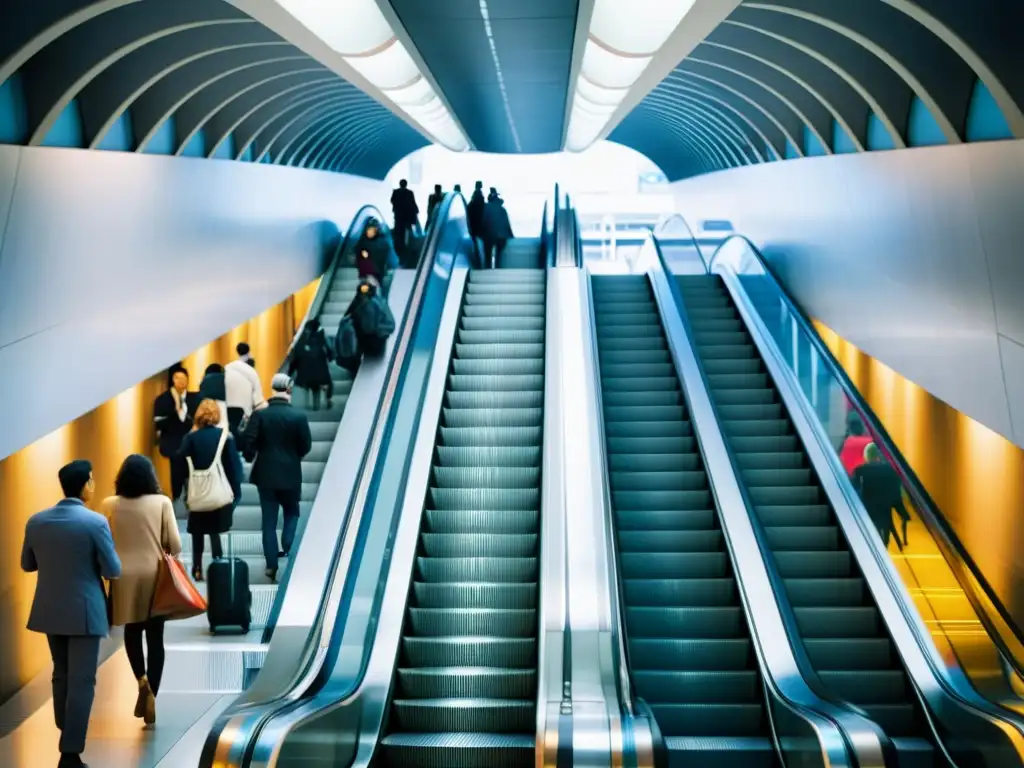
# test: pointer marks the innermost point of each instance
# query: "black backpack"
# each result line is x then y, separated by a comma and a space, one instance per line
374, 323
346, 345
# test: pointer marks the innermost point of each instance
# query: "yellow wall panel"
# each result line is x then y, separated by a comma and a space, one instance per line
105, 435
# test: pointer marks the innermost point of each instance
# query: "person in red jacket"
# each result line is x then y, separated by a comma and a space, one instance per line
851, 452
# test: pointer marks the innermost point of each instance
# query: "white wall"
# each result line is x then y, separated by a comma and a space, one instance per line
915, 256
114, 265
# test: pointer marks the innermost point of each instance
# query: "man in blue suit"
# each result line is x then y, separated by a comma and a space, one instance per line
71, 548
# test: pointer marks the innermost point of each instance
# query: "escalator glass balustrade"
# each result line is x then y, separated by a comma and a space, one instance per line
838, 620
465, 689
688, 642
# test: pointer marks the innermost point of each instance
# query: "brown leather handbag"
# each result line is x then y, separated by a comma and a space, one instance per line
175, 597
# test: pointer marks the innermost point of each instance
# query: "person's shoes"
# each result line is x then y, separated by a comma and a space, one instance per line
197, 573
282, 553
330, 404
149, 716
140, 702
71, 761
271, 573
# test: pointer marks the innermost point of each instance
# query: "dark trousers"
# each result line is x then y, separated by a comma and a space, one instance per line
235, 416
271, 502
492, 252
179, 474
314, 394
150, 664
75, 660
197, 548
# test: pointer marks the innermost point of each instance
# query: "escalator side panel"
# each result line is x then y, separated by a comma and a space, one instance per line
689, 644
465, 688
839, 623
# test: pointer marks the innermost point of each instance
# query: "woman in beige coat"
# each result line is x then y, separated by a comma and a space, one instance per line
143, 524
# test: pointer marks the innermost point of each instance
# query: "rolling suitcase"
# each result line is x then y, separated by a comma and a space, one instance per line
229, 599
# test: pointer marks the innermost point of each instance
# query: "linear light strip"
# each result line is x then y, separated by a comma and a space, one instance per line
501, 80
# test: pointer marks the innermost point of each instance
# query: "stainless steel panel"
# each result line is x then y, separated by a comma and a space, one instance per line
910, 255
129, 262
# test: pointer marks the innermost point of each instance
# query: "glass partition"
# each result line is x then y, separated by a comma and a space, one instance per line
971, 639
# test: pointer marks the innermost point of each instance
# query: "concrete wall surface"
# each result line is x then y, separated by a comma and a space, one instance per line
114, 265
915, 256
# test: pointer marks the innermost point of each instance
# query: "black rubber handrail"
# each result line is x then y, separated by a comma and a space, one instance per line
953, 550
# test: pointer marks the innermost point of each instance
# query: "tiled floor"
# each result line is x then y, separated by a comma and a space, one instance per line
116, 739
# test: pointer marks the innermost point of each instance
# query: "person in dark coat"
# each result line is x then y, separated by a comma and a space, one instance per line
497, 229
278, 438
201, 446
475, 211
375, 255
881, 491
214, 387
405, 209
173, 411
309, 366
433, 201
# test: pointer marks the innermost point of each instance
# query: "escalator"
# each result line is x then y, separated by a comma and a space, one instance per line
465, 686
838, 620
688, 642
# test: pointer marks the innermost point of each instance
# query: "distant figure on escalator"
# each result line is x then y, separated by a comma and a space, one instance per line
881, 491
276, 440
375, 255
243, 389
851, 452
457, 189
403, 205
309, 366
475, 211
213, 387
173, 411
432, 202
496, 230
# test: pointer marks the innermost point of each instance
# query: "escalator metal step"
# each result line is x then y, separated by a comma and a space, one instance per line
689, 686
466, 683
679, 593
691, 653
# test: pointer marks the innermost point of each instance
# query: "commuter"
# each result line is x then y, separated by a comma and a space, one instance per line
881, 491
200, 449
276, 440
496, 229
403, 205
142, 522
375, 255
432, 202
72, 550
475, 211
851, 452
309, 365
457, 189
172, 415
213, 387
242, 388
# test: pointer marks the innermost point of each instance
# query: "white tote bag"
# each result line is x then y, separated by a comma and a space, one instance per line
209, 489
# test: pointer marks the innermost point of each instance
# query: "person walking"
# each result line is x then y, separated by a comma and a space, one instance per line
243, 389
214, 387
496, 228
207, 443
309, 364
71, 549
475, 211
405, 209
142, 521
433, 201
881, 491
172, 416
276, 440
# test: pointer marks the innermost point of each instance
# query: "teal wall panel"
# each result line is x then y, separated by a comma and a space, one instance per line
878, 135
67, 130
119, 137
812, 145
985, 121
226, 149
922, 130
247, 155
162, 142
791, 151
842, 144
13, 114
196, 146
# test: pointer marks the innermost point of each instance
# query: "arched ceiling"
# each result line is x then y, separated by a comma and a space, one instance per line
188, 74
790, 78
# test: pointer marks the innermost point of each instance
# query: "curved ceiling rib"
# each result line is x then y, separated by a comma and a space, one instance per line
802, 77
187, 74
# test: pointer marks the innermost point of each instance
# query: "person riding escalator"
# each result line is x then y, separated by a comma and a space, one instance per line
375, 255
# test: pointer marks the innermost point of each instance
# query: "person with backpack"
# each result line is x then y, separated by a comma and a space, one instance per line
309, 365
214, 485
371, 317
375, 255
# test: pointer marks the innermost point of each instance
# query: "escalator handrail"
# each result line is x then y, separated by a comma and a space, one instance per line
624, 679
240, 729
577, 239
664, 221
952, 548
849, 721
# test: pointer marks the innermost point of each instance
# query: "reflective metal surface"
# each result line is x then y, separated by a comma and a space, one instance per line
808, 729
963, 722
